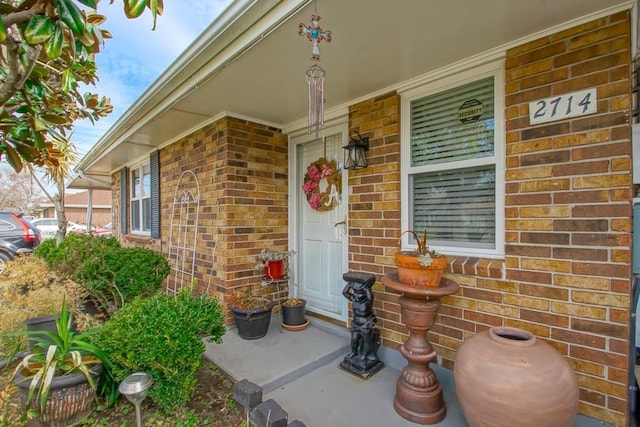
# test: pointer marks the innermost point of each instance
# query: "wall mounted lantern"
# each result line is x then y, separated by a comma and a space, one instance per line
354, 152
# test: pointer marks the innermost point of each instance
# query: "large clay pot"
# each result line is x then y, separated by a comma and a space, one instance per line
505, 377
411, 273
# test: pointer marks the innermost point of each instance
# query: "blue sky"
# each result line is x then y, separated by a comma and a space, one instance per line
136, 56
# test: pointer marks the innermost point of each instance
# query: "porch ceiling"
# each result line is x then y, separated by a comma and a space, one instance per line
376, 44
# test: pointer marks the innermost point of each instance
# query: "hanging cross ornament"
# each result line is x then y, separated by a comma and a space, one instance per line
315, 73
315, 35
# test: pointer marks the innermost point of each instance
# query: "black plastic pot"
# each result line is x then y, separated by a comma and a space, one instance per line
294, 315
252, 323
43, 323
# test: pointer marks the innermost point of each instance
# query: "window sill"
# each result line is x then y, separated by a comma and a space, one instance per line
138, 238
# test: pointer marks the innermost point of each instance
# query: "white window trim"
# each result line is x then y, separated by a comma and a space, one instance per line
139, 166
494, 69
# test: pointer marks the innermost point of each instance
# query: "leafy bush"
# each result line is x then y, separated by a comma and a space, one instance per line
119, 275
74, 250
112, 275
162, 335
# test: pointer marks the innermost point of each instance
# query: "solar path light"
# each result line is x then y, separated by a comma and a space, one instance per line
135, 388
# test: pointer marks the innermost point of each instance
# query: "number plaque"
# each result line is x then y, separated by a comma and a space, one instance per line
563, 106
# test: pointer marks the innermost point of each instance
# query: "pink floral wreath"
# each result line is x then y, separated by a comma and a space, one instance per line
316, 172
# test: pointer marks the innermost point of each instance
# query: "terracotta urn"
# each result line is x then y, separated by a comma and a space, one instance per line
412, 273
506, 377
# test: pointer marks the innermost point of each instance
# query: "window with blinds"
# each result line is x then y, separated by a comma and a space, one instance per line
141, 198
452, 178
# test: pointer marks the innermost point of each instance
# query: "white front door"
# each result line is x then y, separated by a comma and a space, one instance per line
321, 238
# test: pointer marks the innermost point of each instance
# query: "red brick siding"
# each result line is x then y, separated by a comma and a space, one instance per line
242, 171
568, 204
566, 274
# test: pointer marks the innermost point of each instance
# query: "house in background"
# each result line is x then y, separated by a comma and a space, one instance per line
77, 205
503, 128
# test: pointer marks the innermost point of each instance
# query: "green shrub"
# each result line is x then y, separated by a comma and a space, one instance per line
74, 250
162, 335
111, 274
119, 275
47, 251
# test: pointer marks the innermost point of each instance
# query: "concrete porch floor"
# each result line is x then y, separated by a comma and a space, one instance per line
299, 370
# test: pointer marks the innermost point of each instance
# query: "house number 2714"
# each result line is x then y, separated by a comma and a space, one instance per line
563, 106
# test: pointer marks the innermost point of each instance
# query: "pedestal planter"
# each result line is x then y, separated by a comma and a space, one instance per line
294, 312
418, 392
253, 323
506, 377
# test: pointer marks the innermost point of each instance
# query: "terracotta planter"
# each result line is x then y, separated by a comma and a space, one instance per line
411, 273
506, 377
69, 401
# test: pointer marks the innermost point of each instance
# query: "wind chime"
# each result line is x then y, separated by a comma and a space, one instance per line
315, 73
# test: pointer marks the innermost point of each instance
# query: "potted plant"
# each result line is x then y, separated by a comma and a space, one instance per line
420, 267
275, 265
57, 382
293, 314
252, 315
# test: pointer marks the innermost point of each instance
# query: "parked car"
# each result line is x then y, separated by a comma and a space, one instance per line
49, 227
17, 235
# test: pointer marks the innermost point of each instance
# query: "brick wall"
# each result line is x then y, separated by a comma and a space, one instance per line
242, 172
100, 216
566, 274
568, 206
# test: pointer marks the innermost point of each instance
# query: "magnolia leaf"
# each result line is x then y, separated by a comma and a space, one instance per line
89, 3
38, 30
3, 32
91, 100
106, 34
27, 152
68, 81
39, 141
71, 15
157, 8
95, 18
38, 124
134, 8
53, 46
86, 38
13, 158
39, 72
54, 119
